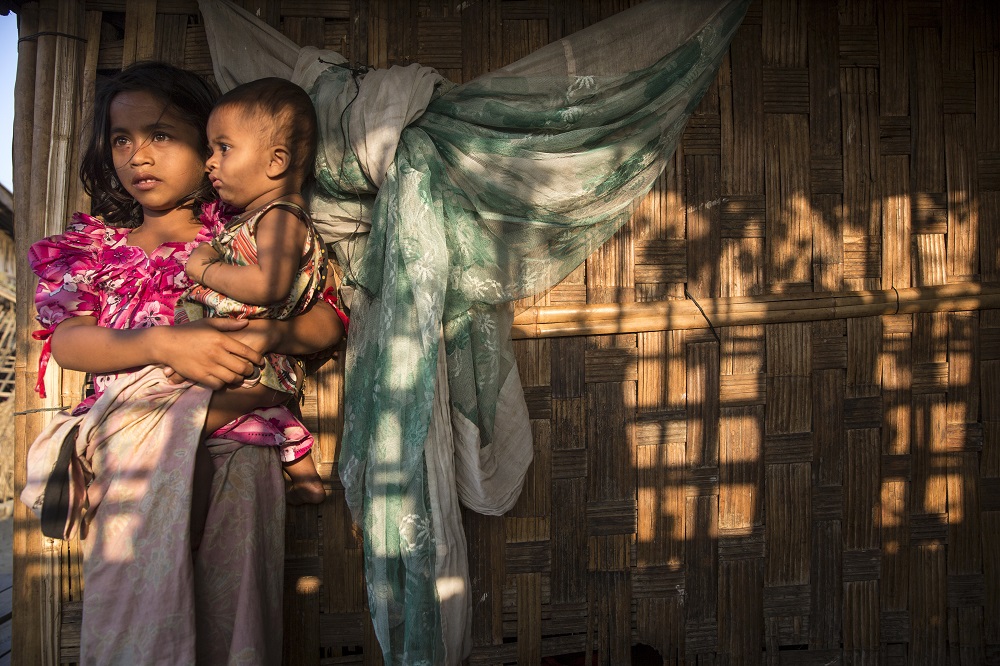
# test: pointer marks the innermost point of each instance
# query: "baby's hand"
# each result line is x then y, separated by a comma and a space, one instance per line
201, 258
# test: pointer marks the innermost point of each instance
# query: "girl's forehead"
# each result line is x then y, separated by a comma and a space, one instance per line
135, 102
141, 108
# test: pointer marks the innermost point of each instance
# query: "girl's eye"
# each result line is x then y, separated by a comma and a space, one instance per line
160, 136
119, 141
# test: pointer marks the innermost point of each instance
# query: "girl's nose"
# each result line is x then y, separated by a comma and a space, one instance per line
142, 155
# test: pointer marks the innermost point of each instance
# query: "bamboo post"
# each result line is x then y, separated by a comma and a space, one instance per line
92, 33
140, 26
25, 631
47, 94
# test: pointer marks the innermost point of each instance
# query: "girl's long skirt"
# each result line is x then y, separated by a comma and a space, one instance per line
150, 598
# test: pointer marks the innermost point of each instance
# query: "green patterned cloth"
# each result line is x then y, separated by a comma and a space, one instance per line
493, 192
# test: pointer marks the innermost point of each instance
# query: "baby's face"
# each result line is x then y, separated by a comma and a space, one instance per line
237, 167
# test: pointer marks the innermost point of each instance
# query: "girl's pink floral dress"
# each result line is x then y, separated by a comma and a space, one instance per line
90, 270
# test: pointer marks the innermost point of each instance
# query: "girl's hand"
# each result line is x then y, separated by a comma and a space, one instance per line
209, 352
310, 333
201, 258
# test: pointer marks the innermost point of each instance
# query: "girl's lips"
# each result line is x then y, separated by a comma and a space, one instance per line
145, 183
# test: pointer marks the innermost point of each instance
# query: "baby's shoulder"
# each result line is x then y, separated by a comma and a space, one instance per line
285, 211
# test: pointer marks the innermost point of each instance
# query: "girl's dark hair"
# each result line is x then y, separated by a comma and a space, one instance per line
184, 93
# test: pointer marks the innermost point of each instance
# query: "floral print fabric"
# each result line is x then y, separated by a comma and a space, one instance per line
496, 192
91, 270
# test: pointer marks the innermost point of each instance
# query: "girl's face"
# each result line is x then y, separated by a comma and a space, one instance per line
158, 157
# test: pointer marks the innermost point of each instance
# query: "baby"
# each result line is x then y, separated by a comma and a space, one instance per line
269, 262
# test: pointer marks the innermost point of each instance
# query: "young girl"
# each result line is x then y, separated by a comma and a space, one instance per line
106, 298
269, 261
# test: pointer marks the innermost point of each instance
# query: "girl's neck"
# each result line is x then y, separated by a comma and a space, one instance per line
178, 225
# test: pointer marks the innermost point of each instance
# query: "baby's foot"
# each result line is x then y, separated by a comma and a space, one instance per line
305, 492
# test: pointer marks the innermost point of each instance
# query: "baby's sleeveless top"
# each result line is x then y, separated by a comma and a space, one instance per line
237, 244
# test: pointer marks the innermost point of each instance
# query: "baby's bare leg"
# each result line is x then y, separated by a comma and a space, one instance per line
232, 403
306, 486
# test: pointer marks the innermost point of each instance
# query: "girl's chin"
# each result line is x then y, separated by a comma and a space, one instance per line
160, 208
160, 200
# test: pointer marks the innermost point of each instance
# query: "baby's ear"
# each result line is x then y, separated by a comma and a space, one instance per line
280, 162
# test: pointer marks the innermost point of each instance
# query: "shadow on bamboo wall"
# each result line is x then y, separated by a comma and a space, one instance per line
797, 481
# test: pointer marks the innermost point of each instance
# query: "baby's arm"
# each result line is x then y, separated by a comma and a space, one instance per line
280, 239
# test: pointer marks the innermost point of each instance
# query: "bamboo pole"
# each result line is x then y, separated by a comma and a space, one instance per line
47, 97
25, 628
607, 319
59, 197
92, 30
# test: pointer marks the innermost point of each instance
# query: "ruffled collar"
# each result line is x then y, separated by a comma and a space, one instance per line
213, 217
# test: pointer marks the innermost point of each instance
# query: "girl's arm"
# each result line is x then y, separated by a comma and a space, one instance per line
206, 352
280, 239
311, 332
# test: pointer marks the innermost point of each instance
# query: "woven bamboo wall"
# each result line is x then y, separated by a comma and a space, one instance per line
801, 492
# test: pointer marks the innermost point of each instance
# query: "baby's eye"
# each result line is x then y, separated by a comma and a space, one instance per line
224, 148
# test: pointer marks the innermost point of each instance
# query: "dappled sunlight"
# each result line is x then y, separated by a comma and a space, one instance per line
766, 432
450, 586
664, 521
307, 585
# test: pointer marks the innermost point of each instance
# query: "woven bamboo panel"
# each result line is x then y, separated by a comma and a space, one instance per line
789, 492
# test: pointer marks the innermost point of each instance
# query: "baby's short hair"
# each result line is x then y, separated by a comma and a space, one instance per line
287, 109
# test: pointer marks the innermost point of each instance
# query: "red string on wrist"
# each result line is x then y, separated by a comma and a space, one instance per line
43, 360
